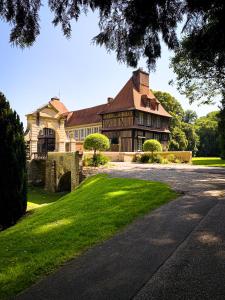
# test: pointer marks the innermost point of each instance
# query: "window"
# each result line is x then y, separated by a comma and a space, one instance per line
156, 136
76, 134
140, 118
88, 131
158, 122
148, 123
165, 137
81, 134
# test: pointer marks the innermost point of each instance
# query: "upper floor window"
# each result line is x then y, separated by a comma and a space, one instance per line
148, 120
158, 122
140, 118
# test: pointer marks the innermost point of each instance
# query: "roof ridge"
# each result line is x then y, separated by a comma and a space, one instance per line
87, 108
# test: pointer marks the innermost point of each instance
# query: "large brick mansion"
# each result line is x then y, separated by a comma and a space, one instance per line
128, 119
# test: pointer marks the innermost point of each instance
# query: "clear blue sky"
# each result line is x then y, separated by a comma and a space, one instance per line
84, 74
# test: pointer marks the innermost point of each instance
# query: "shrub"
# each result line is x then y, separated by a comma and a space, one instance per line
96, 141
149, 158
152, 146
171, 158
136, 158
156, 159
99, 159
13, 179
165, 161
145, 158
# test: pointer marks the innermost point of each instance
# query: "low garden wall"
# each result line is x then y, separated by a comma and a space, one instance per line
184, 156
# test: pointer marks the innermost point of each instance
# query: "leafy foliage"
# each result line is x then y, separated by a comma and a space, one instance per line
221, 127
207, 130
131, 28
190, 116
191, 136
13, 184
179, 137
96, 141
152, 146
98, 160
183, 137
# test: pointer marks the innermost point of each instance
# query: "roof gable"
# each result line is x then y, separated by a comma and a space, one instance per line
54, 108
130, 98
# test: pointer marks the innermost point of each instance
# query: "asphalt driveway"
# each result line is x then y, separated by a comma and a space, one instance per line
175, 252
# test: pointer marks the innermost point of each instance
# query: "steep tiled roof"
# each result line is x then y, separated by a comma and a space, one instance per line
130, 98
85, 116
59, 106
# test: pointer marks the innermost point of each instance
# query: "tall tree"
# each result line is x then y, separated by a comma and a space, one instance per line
221, 126
13, 177
191, 136
207, 130
190, 116
131, 28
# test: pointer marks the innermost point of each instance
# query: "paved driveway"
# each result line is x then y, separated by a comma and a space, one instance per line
175, 252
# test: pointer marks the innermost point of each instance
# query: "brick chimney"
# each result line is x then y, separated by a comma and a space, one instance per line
110, 100
141, 81
55, 98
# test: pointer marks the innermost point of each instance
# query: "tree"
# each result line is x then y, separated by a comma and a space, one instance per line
190, 116
96, 141
191, 136
178, 138
152, 146
199, 61
207, 130
131, 28
172, 106
221, 127
13, 179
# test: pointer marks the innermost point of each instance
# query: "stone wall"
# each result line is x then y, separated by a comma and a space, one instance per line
57, 165
185, 156
36, 169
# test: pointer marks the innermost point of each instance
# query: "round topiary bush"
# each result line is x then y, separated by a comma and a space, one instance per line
96, 142
152, 146
13, 177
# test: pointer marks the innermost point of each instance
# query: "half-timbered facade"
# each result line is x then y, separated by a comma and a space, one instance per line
130, 118
135, 115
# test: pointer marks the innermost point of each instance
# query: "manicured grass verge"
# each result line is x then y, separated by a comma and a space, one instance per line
208, 161
37, 196
55, 233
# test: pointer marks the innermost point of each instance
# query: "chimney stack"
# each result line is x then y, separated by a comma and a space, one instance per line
110, 99
141, 81
55, 98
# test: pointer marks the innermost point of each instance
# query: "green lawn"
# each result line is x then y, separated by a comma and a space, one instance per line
38, 197
208, 161
61, 230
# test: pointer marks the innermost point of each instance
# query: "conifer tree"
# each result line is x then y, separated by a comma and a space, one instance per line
13, 179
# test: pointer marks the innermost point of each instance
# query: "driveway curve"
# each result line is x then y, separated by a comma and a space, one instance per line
175, 252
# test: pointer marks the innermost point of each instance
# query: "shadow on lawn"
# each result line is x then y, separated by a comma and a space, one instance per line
38, 195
